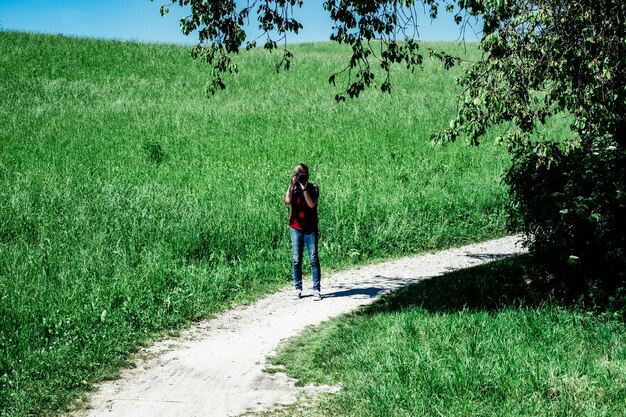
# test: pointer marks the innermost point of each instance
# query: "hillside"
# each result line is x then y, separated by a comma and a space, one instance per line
131, 203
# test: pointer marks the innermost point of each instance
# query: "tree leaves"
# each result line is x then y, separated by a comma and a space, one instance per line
544, 58
221, 34
381, 32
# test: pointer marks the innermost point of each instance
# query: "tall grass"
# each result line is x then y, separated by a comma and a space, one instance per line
480, 342
130, 203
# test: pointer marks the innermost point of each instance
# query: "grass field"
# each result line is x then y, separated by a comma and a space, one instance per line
132, 204
489, 341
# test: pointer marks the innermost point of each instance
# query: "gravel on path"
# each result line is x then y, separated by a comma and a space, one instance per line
216, 367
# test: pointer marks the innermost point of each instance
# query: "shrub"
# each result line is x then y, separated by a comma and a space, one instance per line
570, 205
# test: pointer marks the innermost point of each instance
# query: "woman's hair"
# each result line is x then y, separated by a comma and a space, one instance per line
299, 168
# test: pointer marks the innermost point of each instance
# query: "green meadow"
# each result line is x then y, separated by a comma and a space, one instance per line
495, 340
132, 204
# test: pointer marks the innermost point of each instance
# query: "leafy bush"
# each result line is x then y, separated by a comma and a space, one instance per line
570, 205
567, 195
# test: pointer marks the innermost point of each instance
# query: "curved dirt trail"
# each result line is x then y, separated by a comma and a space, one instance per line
216, 367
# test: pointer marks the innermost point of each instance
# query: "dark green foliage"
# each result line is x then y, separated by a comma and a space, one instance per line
572, 203
544, 58
154, 152
617, 303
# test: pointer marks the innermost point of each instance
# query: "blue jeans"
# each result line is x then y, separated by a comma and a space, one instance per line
298, 240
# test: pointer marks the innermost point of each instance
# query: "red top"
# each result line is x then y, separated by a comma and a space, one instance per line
302, 216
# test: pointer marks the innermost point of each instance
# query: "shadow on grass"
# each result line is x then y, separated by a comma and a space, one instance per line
490, 287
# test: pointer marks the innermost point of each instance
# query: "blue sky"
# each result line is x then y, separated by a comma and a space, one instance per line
140, 20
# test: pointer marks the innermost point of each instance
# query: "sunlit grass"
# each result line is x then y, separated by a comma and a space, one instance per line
130, 203
488, 341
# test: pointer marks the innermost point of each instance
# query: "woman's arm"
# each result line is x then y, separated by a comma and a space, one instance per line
289, 192
288, 195
311, 196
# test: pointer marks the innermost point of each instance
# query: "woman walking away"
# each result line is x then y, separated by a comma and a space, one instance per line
302, 196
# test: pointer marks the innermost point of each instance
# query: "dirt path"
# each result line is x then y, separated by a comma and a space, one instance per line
216, 368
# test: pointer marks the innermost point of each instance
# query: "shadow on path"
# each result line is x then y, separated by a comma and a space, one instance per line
490, 256
369, 292
491, 287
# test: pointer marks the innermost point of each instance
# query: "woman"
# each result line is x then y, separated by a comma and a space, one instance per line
302, 196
